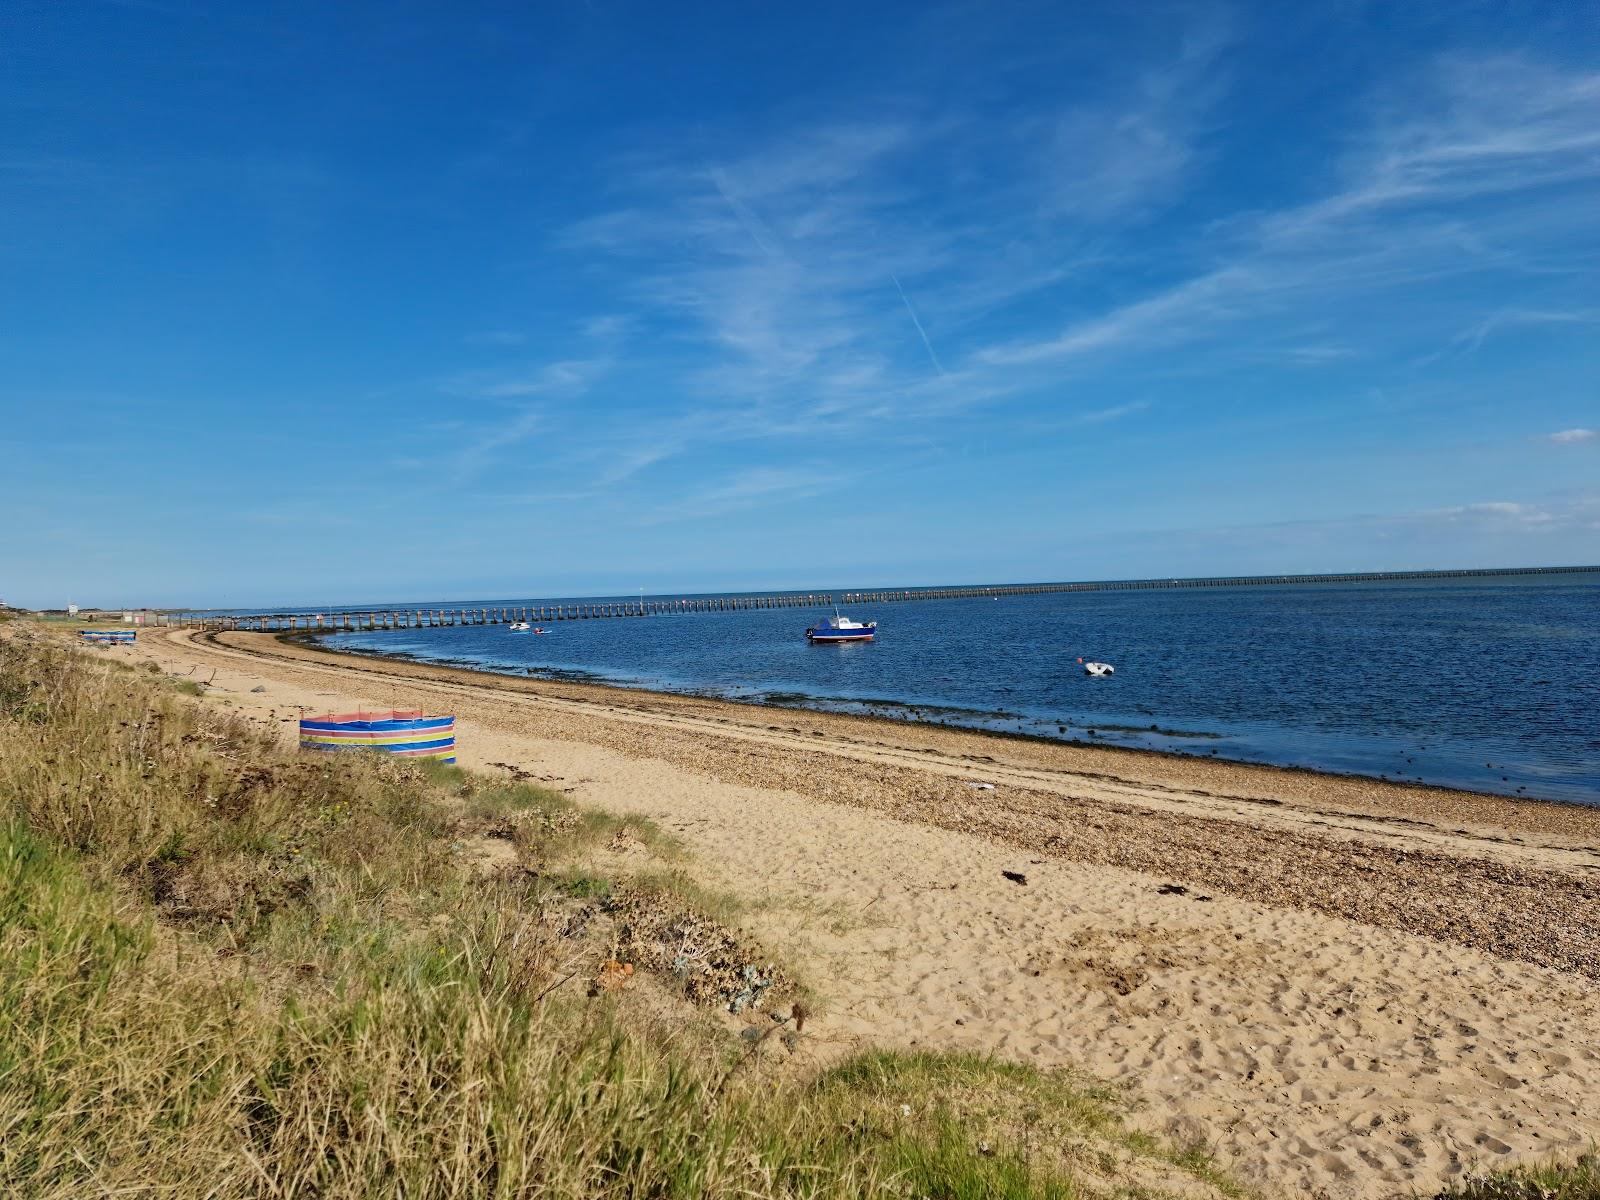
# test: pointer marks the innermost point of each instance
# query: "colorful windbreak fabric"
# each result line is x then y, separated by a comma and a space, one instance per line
406, 733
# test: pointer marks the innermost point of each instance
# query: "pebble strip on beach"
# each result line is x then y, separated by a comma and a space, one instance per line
1550, 917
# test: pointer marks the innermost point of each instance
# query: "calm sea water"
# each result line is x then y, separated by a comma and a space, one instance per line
1489, 684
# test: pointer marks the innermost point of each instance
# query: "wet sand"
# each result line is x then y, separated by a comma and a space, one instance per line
1343, 986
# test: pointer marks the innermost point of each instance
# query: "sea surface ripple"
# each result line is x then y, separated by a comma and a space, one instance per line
1487, 684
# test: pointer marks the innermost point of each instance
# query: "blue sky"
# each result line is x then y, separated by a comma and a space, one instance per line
319, 303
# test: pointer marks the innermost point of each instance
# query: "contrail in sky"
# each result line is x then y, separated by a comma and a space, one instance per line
923, 333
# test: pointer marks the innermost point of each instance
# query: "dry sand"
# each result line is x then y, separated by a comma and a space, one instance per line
1343, 987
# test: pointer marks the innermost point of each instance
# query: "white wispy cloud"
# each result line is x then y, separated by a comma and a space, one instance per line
804, 284
606, 326
1100, 416
530, 392
1170, 315
1493, 508
1457, 525
814, 269
563, 377
1310, 356
1569, 437
746, 488
1473, 337
1116, 160
774, 272
1498, 130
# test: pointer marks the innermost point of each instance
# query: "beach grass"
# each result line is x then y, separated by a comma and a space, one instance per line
228, 970
1556, 1179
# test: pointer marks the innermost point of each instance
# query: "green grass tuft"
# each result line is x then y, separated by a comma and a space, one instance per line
1554, 1180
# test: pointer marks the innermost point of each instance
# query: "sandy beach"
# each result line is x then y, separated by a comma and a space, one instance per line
1344, 987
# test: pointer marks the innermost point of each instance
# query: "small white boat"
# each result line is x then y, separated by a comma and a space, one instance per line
1098, 669
519, 627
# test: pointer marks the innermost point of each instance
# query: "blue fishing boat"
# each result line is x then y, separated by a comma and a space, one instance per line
841, 629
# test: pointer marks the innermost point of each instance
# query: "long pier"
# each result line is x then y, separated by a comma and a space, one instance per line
586, 610
536, 614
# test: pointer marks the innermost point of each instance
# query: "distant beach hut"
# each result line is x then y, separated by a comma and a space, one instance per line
109, 637
406, 733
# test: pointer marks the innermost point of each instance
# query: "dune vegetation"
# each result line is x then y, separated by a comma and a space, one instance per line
227, 969
1557, 1179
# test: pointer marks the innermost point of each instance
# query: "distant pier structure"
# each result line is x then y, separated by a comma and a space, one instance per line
533, 614
586, 610
1220, 581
